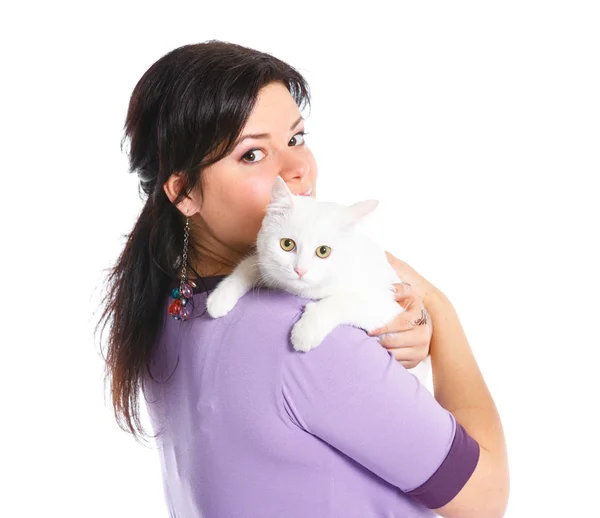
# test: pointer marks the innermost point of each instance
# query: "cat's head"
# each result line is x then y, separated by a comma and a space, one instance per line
305, 244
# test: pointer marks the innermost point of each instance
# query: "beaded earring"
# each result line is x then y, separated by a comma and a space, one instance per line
181, 307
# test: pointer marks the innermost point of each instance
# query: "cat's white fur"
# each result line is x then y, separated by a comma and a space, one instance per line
353, 285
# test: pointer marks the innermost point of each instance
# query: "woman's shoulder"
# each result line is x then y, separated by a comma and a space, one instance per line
269, 308
346, 348
269, 313
273, 302
258, 300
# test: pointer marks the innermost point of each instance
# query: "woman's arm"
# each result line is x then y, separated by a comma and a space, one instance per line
460, 388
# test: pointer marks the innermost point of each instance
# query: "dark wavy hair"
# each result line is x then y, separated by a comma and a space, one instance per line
185, 113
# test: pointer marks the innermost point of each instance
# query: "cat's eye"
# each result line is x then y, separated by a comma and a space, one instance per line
287, 244
323, 251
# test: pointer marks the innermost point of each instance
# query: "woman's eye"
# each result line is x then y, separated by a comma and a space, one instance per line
300, 133
252, 153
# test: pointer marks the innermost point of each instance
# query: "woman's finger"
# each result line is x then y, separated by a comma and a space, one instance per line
404, 321
403, 290
416, 337
410, 354
410, 301
409, 364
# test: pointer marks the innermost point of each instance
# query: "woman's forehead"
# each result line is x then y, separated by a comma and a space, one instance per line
275, 109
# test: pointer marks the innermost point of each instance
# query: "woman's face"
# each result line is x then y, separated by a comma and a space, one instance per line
237, 188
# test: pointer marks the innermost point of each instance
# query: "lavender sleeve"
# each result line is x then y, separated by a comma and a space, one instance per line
353, 394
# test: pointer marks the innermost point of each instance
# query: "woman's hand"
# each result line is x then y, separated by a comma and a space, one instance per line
403, 336
408, 341
408, 274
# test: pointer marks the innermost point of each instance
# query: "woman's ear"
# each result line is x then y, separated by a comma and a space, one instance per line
172, 187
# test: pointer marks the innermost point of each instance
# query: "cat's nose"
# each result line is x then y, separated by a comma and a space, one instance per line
300, 271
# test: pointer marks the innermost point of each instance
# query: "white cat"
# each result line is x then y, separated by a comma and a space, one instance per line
312, 249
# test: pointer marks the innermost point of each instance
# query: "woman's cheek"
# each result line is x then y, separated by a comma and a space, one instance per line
252, 202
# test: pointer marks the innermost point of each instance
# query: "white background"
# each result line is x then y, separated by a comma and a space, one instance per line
476, 124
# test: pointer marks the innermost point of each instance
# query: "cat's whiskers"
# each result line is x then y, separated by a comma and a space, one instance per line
265, 269
268, 266
270, 280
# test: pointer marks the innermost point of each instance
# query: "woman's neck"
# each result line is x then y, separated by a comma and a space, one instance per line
205, 269
207, 264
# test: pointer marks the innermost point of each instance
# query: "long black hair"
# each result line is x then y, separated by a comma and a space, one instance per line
185, 113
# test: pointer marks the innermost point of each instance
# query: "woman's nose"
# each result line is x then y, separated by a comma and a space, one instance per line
294, 168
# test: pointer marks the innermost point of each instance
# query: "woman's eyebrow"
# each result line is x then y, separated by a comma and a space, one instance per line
266, 135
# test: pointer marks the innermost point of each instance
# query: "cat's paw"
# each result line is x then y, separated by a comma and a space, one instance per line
220, 302
307, 333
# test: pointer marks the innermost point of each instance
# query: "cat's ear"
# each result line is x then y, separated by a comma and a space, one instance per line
281, 197
354, 213
280, 192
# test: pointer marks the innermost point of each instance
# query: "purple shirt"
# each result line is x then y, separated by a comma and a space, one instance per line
251, 428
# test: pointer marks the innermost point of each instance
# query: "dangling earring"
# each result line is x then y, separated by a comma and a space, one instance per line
181, 307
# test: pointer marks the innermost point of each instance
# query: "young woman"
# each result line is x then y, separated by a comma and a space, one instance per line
247, 426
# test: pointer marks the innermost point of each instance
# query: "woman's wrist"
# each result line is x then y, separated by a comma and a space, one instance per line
432, 297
